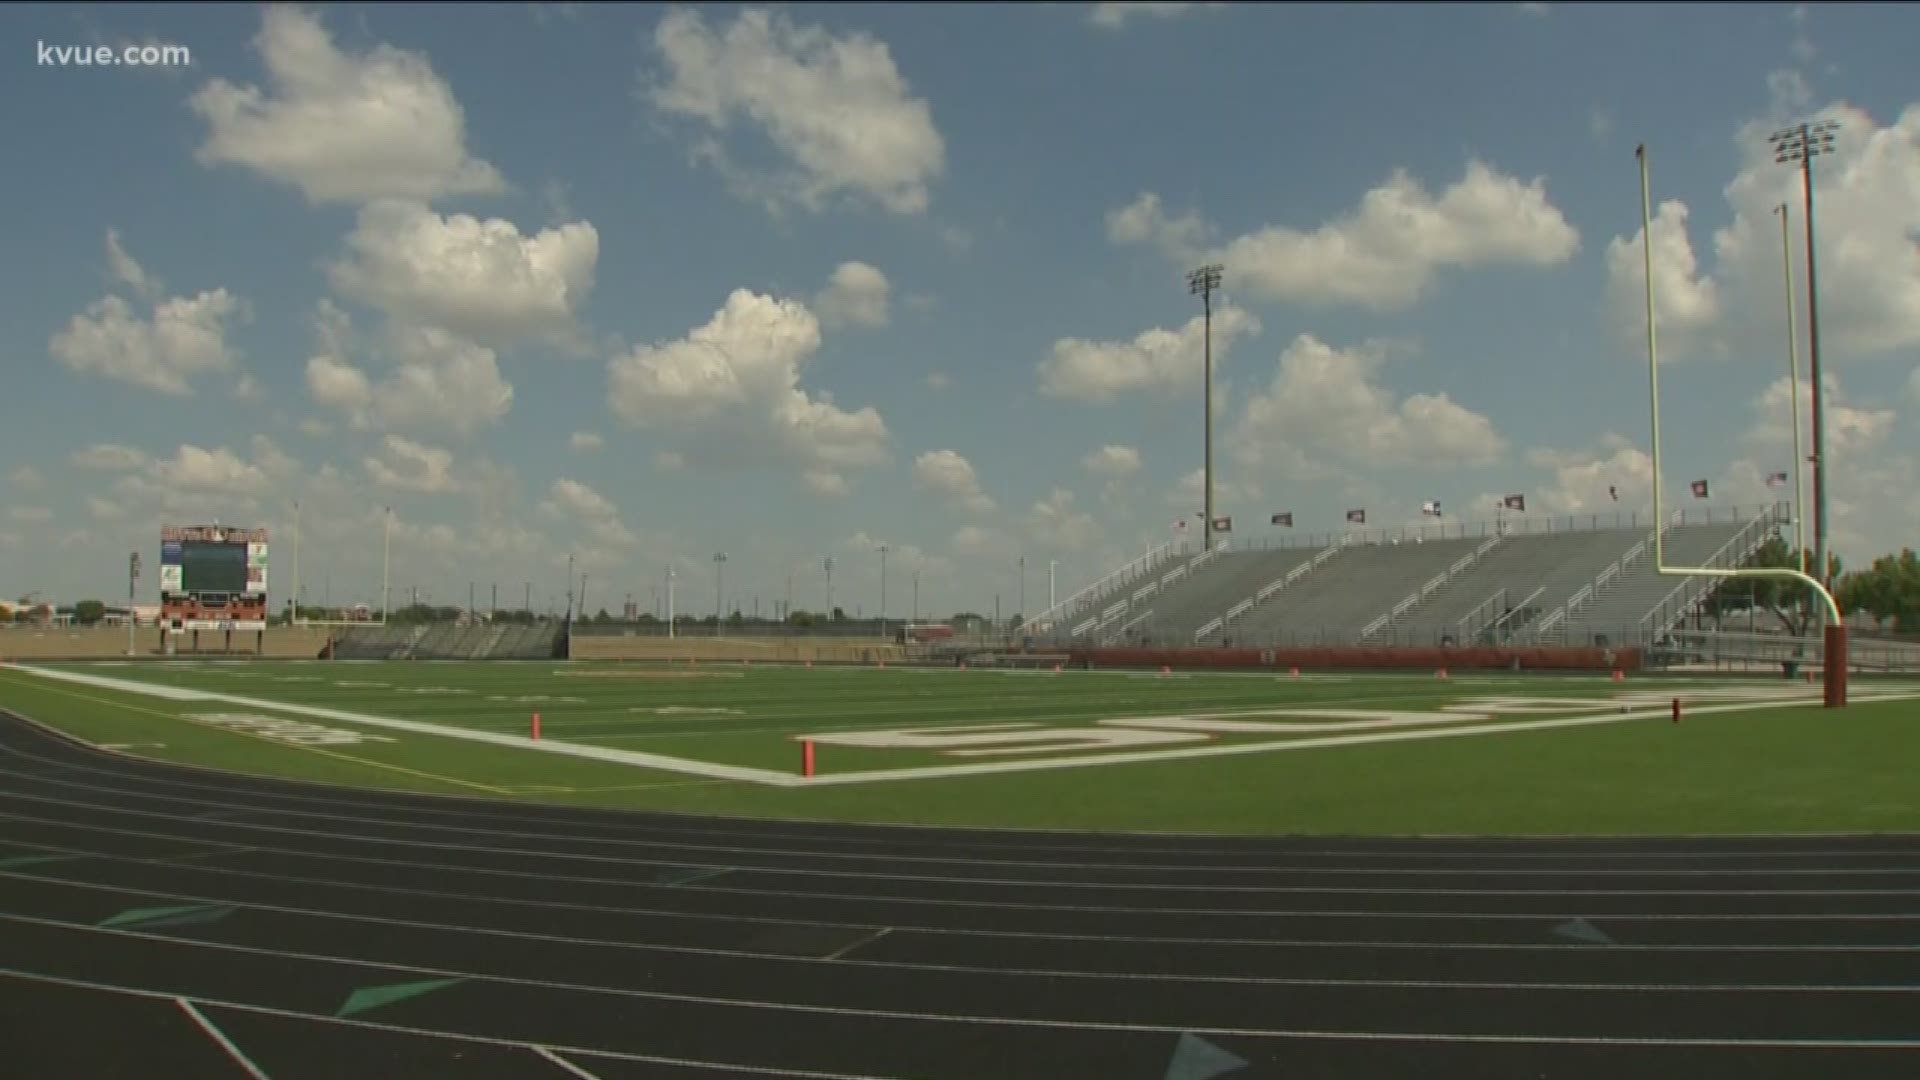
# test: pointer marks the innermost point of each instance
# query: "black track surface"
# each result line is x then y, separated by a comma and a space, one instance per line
599, 944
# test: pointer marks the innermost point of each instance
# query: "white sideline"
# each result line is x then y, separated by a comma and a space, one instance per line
779, 779
421, 727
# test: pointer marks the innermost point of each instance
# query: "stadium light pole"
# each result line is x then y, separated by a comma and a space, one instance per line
883, 590
669, 601
1802, 143
916, 594
294, 619
386, 569
1834, 652
1793, 377
719, 581
569, 590
1051, 565
829, 564
1201, 283
1023, 588
133, 580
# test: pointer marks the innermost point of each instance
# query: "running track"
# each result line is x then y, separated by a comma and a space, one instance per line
247, 920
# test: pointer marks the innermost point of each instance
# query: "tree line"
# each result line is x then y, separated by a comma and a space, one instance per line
1887, 591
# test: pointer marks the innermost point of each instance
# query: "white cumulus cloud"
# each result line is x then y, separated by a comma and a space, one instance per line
1869, 212
1115, 14
1112, 461
1686, 302
835, 106
947, 474
856, 296
1383, 255
342, 127
481, 279
1325, 401
1161, 360
181, 338
734, 385
405, 465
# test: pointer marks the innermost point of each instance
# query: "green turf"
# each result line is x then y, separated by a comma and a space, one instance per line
1783, 769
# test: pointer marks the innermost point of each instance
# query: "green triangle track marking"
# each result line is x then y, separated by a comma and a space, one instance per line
1582, 930
178, 915
686, 874
373, 997
1194, 1058
35, 860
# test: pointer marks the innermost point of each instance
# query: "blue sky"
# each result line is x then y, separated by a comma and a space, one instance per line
639, 283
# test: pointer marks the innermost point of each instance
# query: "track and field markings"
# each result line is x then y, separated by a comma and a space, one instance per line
171, 915
374, 997
220, 1037
976, 1019
1582, 930
428, 1033
1194, 1058
563, 1063
843, 950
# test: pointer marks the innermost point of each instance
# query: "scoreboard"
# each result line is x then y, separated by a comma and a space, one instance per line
213, 578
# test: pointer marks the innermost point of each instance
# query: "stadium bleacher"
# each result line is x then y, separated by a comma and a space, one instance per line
1179, 610
1560, 581
480, 642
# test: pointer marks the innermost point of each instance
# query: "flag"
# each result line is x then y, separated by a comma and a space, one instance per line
1516, 502
1699, 489
1357, 517
1181, 525
1223, 524
1613, 493
1778, 479
1431, 508
1285, 519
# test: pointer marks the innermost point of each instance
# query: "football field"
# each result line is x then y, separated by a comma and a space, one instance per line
1142, 751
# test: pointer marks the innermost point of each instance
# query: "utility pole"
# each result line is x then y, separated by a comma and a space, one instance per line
1201, 283
529, 604
669, 601
1802, 143
787, 612
569, 590
829, 588
294, 619
1051, 564
494, 608
719, 578
916, 594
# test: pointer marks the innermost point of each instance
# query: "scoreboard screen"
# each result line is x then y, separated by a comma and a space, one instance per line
213, 561
213, 568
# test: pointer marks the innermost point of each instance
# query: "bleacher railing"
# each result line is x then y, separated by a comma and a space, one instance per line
1690, 591
1511, 525
1265, 592
1555, 619
1091, 595
1435, 584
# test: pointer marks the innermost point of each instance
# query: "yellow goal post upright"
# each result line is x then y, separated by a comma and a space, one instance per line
386, 564
1834, 645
